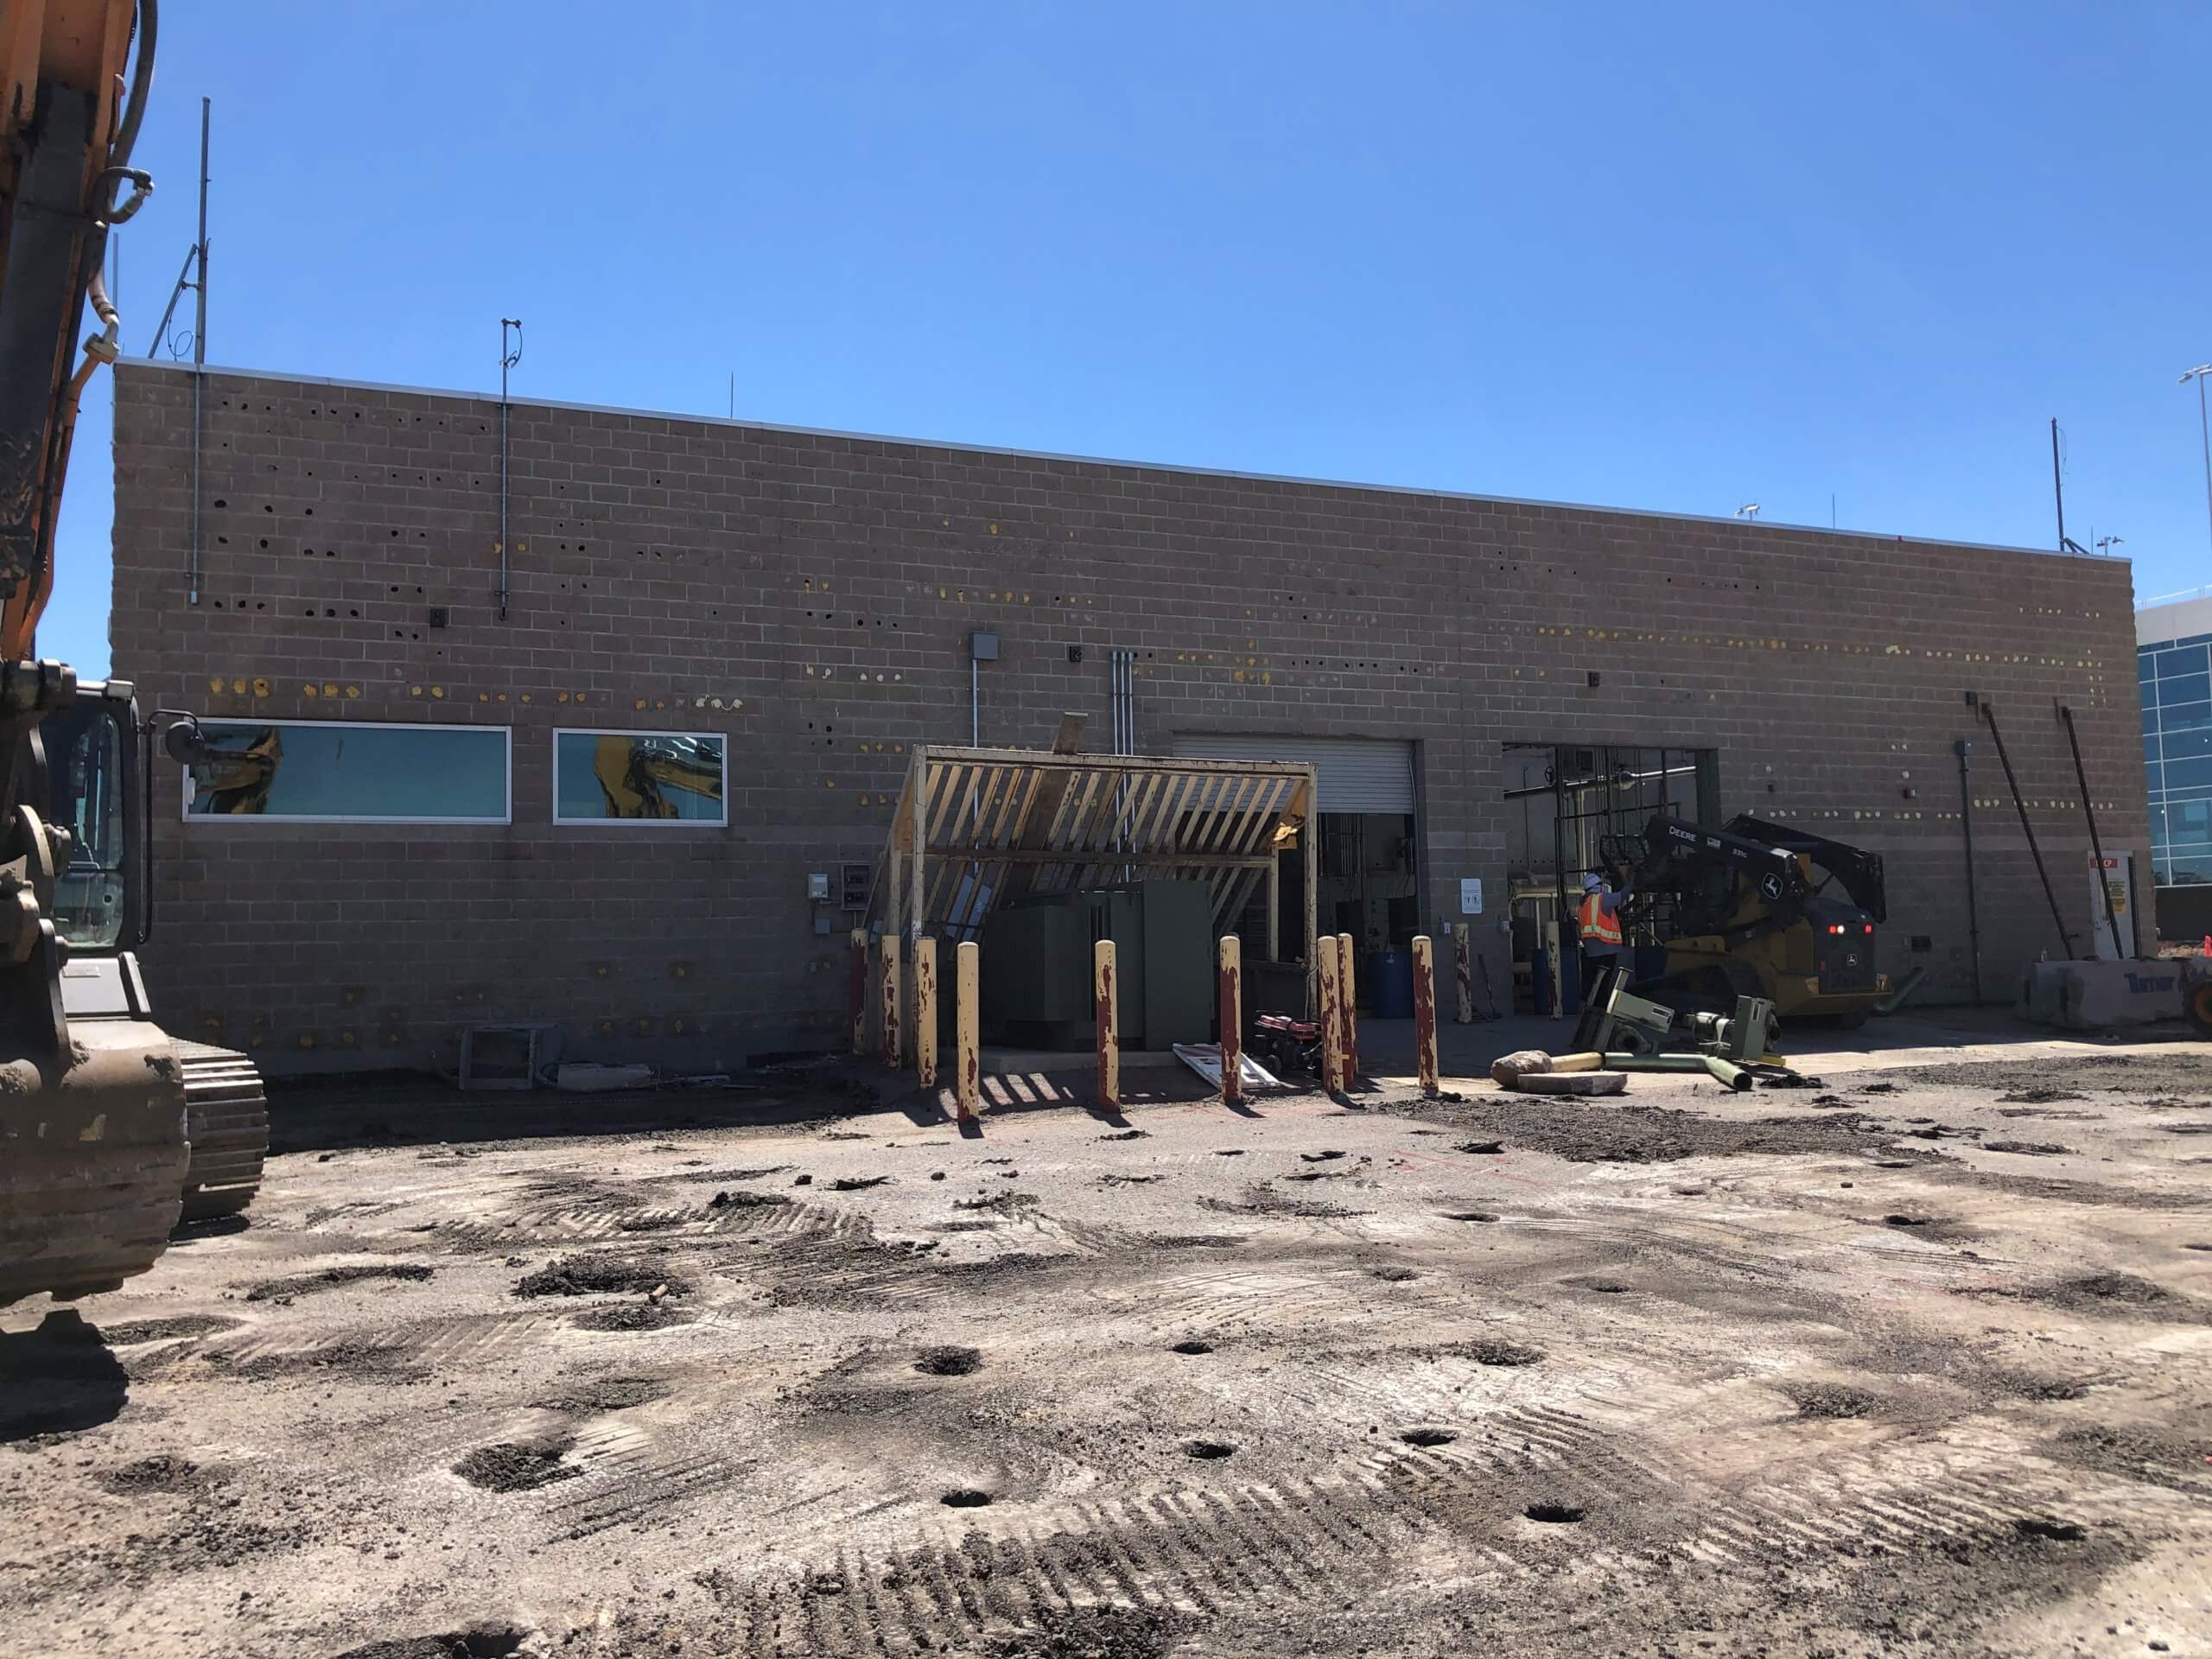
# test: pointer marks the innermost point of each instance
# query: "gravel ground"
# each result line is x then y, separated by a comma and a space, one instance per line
1913, 1362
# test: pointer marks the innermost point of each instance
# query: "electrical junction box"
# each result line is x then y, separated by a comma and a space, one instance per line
983, 647
817, 888
855, 879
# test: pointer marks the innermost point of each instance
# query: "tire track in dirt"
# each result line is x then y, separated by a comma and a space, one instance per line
1206, 1551
643, 1476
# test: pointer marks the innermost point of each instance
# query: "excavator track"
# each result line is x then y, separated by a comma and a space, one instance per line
227, 1118
91, 1171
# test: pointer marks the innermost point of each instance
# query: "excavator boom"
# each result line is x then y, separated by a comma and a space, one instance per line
72, 95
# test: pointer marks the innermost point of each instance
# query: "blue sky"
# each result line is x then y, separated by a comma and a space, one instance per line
1654, 257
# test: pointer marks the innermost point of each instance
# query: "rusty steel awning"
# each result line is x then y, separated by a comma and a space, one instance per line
978, 828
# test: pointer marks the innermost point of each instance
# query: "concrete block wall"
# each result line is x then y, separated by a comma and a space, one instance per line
810, 595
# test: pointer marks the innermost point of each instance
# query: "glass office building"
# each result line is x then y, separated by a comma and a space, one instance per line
2174, 659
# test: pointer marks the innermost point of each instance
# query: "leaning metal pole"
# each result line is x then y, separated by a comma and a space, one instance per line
2097, 845
1989, 714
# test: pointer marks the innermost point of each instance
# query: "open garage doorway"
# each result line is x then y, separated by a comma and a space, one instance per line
1366, 879
1561, 802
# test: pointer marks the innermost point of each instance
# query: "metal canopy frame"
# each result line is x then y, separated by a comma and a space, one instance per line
977, 828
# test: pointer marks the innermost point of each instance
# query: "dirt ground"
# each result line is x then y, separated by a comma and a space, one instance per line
1913, 1360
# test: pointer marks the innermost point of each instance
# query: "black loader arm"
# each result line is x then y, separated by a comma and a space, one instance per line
1858, 870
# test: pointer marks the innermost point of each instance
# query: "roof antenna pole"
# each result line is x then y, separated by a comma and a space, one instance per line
2057, 489
2066, 544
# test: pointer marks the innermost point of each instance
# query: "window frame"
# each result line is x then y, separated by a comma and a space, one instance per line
553, 780
189, 791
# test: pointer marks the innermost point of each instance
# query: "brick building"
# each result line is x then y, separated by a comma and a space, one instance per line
750, 626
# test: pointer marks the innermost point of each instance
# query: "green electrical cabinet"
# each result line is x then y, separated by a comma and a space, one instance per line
1037, 955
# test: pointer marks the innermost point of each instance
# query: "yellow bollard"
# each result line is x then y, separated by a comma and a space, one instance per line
1328, 1017
1230, 987
891, 1001
1425, 1012
856, 989
1109, 1025
1347, 1011
1463, 971
968, 997
925, 1013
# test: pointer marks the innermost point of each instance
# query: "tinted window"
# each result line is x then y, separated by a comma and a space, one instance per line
2187, 745
2186, 687
332, 770
639, 777
2173, 664
2179, 716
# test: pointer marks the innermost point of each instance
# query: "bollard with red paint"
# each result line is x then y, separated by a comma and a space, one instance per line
1425, 1012
1347, 1011
1332, 1034
968, 997
856, 989
1230, 977
925, 1013
1109, 1033
1463, 972
891, 1001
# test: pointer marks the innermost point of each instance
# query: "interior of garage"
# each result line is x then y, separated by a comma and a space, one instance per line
1562, 801
1367, 870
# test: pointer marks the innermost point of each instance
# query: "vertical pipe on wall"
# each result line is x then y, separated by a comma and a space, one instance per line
1425, 1013
1966, 822
968, 995
199, 361
507, 361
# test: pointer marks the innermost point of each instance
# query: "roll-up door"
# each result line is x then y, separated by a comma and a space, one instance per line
1356, 774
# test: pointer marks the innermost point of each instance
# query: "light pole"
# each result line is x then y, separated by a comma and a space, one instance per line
2104, 545
2204, 429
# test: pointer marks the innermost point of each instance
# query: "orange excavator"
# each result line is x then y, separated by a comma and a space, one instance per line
98, 1107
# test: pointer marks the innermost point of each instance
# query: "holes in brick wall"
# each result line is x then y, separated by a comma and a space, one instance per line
265, 544
220, 502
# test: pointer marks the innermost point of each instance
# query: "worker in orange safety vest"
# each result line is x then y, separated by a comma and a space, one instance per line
1600, 923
